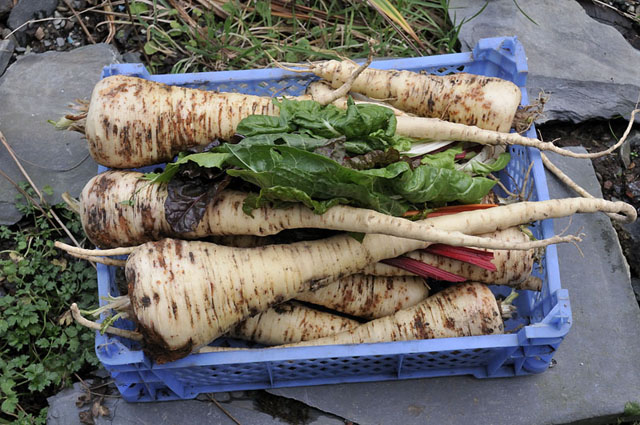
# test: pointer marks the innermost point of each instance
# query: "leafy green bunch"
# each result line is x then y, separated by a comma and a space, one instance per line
40, 346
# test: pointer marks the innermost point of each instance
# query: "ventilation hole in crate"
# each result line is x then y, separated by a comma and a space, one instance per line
460, 68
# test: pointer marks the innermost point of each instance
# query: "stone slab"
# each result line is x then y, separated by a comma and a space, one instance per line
587, 67
63, 411
37, 88
596, 373
26, 10
6, 50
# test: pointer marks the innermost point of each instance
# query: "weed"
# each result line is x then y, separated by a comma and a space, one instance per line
193, 37
40, 348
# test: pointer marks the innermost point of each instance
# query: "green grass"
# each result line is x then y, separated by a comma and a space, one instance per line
40, 346
248, 35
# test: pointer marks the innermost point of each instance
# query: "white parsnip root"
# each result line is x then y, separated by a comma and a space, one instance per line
486, 102
132, 122
290, 322
108, 220
467, 309
369, 297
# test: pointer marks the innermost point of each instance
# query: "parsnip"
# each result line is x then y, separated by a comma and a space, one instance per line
186, 294
109, 220
369, 297
290, 322
486, 102
133, 122
467, 309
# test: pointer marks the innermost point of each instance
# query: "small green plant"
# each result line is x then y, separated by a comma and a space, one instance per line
40, 346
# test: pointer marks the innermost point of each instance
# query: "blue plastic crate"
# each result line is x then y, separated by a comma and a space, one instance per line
543, 318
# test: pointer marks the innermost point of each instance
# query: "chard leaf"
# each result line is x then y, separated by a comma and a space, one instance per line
190, 193
391, 190
262, 124
284, 196
365, 127
444, 159
373, 159
484, 168
320, 178
204, 159
439, 185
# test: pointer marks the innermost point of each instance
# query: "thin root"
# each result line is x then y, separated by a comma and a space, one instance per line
346, 87
286, 68
72, 203
124, 333
502, 186
94, 252
573, 185
102, 260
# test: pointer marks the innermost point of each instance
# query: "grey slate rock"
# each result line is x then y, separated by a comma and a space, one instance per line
6, 50
26, 10
587, 67
596, 372
63, 411
5, 7
35, 89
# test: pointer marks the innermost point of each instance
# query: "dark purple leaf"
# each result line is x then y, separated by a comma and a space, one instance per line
190, 193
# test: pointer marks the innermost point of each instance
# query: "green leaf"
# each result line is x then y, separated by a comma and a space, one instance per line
48, 190
6, 386
286, 195
263, 9
9, 405
149, 48
137, 8
205, 159
319, 177
365, 127
440, 185
444, 159
484, 168
43, 343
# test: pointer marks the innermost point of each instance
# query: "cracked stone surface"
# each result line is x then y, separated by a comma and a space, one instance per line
63, 411
587, 67
37, 88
